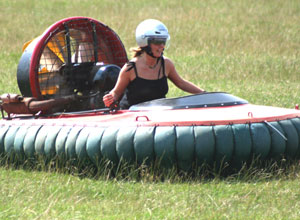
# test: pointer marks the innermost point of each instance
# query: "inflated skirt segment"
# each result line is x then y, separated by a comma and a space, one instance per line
180, 146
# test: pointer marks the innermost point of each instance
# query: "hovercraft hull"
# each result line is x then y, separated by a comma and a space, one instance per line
177, 137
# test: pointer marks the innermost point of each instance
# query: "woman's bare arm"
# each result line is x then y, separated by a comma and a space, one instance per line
122, 83
179, 81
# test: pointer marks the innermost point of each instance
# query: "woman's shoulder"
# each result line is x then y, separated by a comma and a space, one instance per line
128, 66
133, 60
168, 62
167, 59
128, 70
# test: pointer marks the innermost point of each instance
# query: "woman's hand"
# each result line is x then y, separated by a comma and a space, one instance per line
108, 99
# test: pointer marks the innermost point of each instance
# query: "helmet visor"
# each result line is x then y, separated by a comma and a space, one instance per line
157, 41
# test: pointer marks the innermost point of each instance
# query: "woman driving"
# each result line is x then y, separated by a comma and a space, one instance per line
144, 78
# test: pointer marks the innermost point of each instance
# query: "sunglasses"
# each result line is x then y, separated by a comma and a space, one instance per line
157, 41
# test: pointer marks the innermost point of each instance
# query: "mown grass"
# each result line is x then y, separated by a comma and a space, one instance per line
248, 48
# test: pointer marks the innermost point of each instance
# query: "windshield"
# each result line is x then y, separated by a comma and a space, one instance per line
213, 99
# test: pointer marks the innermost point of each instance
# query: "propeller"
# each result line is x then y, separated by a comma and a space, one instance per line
66, 57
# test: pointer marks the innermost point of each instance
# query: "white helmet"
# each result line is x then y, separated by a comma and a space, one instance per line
151, 30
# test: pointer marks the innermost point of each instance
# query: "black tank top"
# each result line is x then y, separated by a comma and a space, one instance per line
142, 90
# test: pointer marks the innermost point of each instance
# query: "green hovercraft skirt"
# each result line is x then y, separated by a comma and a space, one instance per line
207, 128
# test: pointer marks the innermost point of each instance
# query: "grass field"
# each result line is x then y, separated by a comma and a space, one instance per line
248, 48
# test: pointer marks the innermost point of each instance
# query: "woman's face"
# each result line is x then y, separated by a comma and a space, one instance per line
157, 49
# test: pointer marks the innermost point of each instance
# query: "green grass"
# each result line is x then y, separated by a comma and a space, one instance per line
51, 195
248, 48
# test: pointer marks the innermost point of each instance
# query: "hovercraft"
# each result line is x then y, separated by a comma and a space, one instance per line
63, 75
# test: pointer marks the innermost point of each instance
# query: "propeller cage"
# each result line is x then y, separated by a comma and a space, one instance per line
66, 57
